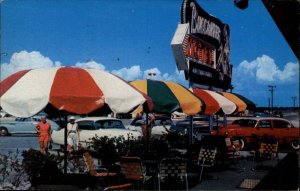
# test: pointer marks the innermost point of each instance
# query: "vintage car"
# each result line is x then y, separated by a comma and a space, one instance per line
159, 126
22, 125
89, 127
254, 130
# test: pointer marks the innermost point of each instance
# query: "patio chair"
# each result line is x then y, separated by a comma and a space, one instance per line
266, 151
206, 158
234, 148
132, 169
173, 168
93, 170
126, 186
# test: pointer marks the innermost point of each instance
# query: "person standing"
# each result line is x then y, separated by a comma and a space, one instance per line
147, 127
73, 135
43, 129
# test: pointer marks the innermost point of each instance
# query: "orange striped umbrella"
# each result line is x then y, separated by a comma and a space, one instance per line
214, 102
169, 96
241, 102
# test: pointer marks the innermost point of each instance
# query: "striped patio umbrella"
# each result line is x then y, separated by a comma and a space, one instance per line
168, 97
67, 89
214, 102
241, 102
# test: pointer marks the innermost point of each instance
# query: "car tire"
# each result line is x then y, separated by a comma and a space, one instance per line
242, 142
295, 144
3, 131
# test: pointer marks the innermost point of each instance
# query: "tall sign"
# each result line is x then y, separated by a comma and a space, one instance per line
203, 49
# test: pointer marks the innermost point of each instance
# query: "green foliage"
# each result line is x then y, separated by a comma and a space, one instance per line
12, 174
41, 168
110, 149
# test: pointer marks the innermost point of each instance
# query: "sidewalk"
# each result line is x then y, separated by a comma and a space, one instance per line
233, 177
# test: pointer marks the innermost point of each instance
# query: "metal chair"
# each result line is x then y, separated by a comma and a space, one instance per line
266, 151
126, 186
206, 158
172, 168
132, 169
93, 170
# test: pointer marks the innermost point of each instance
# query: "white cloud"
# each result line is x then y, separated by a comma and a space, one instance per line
90, 64
26, 60
152, 73
177, 76
264, 69
30, 60
129, 74
135, 73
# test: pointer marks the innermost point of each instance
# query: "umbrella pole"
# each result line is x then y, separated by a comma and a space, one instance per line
190, 134
217, 118
146, 133
225, 120
210, 123
65, 145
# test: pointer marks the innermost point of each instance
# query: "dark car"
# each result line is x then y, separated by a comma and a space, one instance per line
200, 126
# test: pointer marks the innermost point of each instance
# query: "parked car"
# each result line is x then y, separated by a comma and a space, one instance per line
23, 125
261, 114
160, 126
89, 127
6, 117
253, 130
200, 126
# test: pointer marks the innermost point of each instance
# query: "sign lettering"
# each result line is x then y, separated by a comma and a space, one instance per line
203, 26
198, 51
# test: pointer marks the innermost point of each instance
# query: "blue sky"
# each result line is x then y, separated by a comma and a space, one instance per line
130, 38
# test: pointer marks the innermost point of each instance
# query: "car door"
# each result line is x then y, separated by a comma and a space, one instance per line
282, 129
24, 125
264, 128
110, 128
87, 130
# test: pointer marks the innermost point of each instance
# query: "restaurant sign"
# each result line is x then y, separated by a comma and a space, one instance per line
203, 48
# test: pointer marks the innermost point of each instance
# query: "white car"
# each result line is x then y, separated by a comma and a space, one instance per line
89, 127
161, 126
23, 125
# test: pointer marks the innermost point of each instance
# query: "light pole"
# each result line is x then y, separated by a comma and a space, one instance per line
272, 89
294, 102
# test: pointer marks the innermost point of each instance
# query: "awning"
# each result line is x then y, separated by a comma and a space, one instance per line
241, 102
214, 102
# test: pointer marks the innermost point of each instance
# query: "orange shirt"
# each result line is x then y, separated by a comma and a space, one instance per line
44, 128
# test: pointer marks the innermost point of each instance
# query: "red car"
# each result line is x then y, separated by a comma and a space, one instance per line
253, 130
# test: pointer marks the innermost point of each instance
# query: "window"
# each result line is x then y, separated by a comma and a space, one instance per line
245, 122
281, 124
138, 123
265, 124
163, 122
109, 124
36, 119
86, 125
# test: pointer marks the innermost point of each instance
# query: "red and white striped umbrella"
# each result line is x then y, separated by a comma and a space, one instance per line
214, 102
69, 89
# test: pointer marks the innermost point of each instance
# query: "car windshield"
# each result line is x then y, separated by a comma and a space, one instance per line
86, 125
23, 119
109, 124
245, 122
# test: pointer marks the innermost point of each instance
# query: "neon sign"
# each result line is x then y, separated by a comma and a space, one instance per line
198, 51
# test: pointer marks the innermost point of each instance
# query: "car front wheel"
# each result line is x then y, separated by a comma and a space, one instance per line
241, 141
295, 144
3, 131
